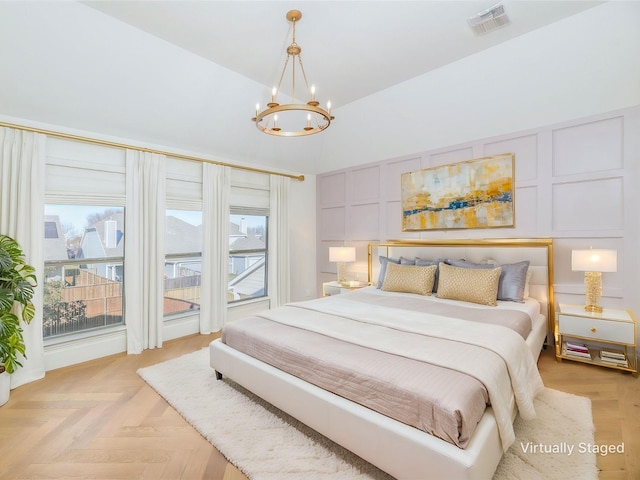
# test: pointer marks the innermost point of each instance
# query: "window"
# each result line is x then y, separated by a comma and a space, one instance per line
84, 255
247, 257
183, 261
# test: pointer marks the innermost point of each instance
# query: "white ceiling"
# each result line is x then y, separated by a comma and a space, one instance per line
373, 44
67, 61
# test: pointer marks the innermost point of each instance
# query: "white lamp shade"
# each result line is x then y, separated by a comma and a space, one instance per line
342, 254
593, 260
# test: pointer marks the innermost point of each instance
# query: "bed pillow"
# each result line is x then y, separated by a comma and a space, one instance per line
409, 279
513, 278
476, 285
526, 284
425, 262
383, 268
525, 295
468, 264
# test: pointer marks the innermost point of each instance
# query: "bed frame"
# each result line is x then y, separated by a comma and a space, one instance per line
398, 449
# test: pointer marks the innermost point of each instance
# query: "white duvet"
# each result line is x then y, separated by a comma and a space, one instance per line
495, 355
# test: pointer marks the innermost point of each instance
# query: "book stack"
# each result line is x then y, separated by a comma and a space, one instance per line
576, 350
614, 358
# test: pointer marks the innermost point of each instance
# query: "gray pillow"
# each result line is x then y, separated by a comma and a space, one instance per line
383, 268
512, 281
425, 262
513, 277
467, 264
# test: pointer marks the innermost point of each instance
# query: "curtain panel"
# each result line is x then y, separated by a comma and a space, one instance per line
216, 185
279, 256
144, 250
22, 165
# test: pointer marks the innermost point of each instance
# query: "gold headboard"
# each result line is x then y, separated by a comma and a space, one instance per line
539, 251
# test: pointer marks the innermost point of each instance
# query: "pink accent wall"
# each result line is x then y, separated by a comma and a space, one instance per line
576, 182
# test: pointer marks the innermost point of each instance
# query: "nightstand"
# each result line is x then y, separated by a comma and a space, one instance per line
335, 288
606, 339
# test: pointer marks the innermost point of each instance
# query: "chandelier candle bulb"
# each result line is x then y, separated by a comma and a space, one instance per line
273, 102
275, 124
313, 102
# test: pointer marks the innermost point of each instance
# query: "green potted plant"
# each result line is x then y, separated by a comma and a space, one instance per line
17, 282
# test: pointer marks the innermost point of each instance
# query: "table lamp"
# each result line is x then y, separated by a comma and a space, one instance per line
593, 262
342, 255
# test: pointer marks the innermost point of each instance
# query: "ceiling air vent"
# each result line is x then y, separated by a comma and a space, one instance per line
489, 19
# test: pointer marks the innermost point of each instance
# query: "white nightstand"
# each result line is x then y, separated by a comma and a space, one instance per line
611, 330
335, 288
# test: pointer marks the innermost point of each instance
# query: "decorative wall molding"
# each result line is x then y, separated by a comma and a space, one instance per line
575, 182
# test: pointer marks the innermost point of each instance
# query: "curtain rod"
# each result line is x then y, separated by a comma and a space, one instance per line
79, 138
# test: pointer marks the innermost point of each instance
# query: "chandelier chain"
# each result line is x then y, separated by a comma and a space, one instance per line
284, 70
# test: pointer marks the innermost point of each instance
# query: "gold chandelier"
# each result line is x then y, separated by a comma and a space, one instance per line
293, 119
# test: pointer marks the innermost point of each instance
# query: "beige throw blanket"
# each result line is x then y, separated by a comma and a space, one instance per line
495, 355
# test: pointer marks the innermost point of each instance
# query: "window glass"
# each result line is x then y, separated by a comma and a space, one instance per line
247, 257
84, 258
183, 261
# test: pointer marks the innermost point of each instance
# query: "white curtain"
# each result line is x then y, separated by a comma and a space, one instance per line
144, 249
279, 261
22, 163
216, 185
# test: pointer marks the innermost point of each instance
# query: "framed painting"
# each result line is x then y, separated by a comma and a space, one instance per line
473, 194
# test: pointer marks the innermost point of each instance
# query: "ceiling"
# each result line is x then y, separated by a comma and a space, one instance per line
67, 60
373, 44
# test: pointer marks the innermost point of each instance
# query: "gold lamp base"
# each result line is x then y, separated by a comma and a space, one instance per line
593, 284
341, 276
593, 308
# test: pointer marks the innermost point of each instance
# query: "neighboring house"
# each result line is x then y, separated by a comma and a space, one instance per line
182, 238
239, 262
247, 268
237, 231
105, 239
55, 245
250, 282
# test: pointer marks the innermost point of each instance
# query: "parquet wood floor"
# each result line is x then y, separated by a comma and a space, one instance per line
99, 419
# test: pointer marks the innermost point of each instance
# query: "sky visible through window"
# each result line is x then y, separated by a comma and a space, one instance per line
253, 221
77, 215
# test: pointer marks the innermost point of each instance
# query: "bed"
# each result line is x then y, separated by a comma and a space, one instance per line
459, 422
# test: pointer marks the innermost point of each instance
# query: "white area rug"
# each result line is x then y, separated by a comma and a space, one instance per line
267, 444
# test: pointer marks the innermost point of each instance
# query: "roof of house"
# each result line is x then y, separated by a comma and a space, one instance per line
250, 242
55, 247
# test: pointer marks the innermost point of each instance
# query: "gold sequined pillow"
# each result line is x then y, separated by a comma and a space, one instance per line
476, 285
409, 278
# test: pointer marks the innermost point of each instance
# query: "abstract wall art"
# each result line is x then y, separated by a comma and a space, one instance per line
473, 194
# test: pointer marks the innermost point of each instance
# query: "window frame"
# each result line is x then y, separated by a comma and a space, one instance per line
258, 212
172, 206
110, 263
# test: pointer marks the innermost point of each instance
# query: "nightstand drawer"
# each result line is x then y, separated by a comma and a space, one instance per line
596, 329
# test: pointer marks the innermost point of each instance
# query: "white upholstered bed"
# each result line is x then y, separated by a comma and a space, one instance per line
402, 450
